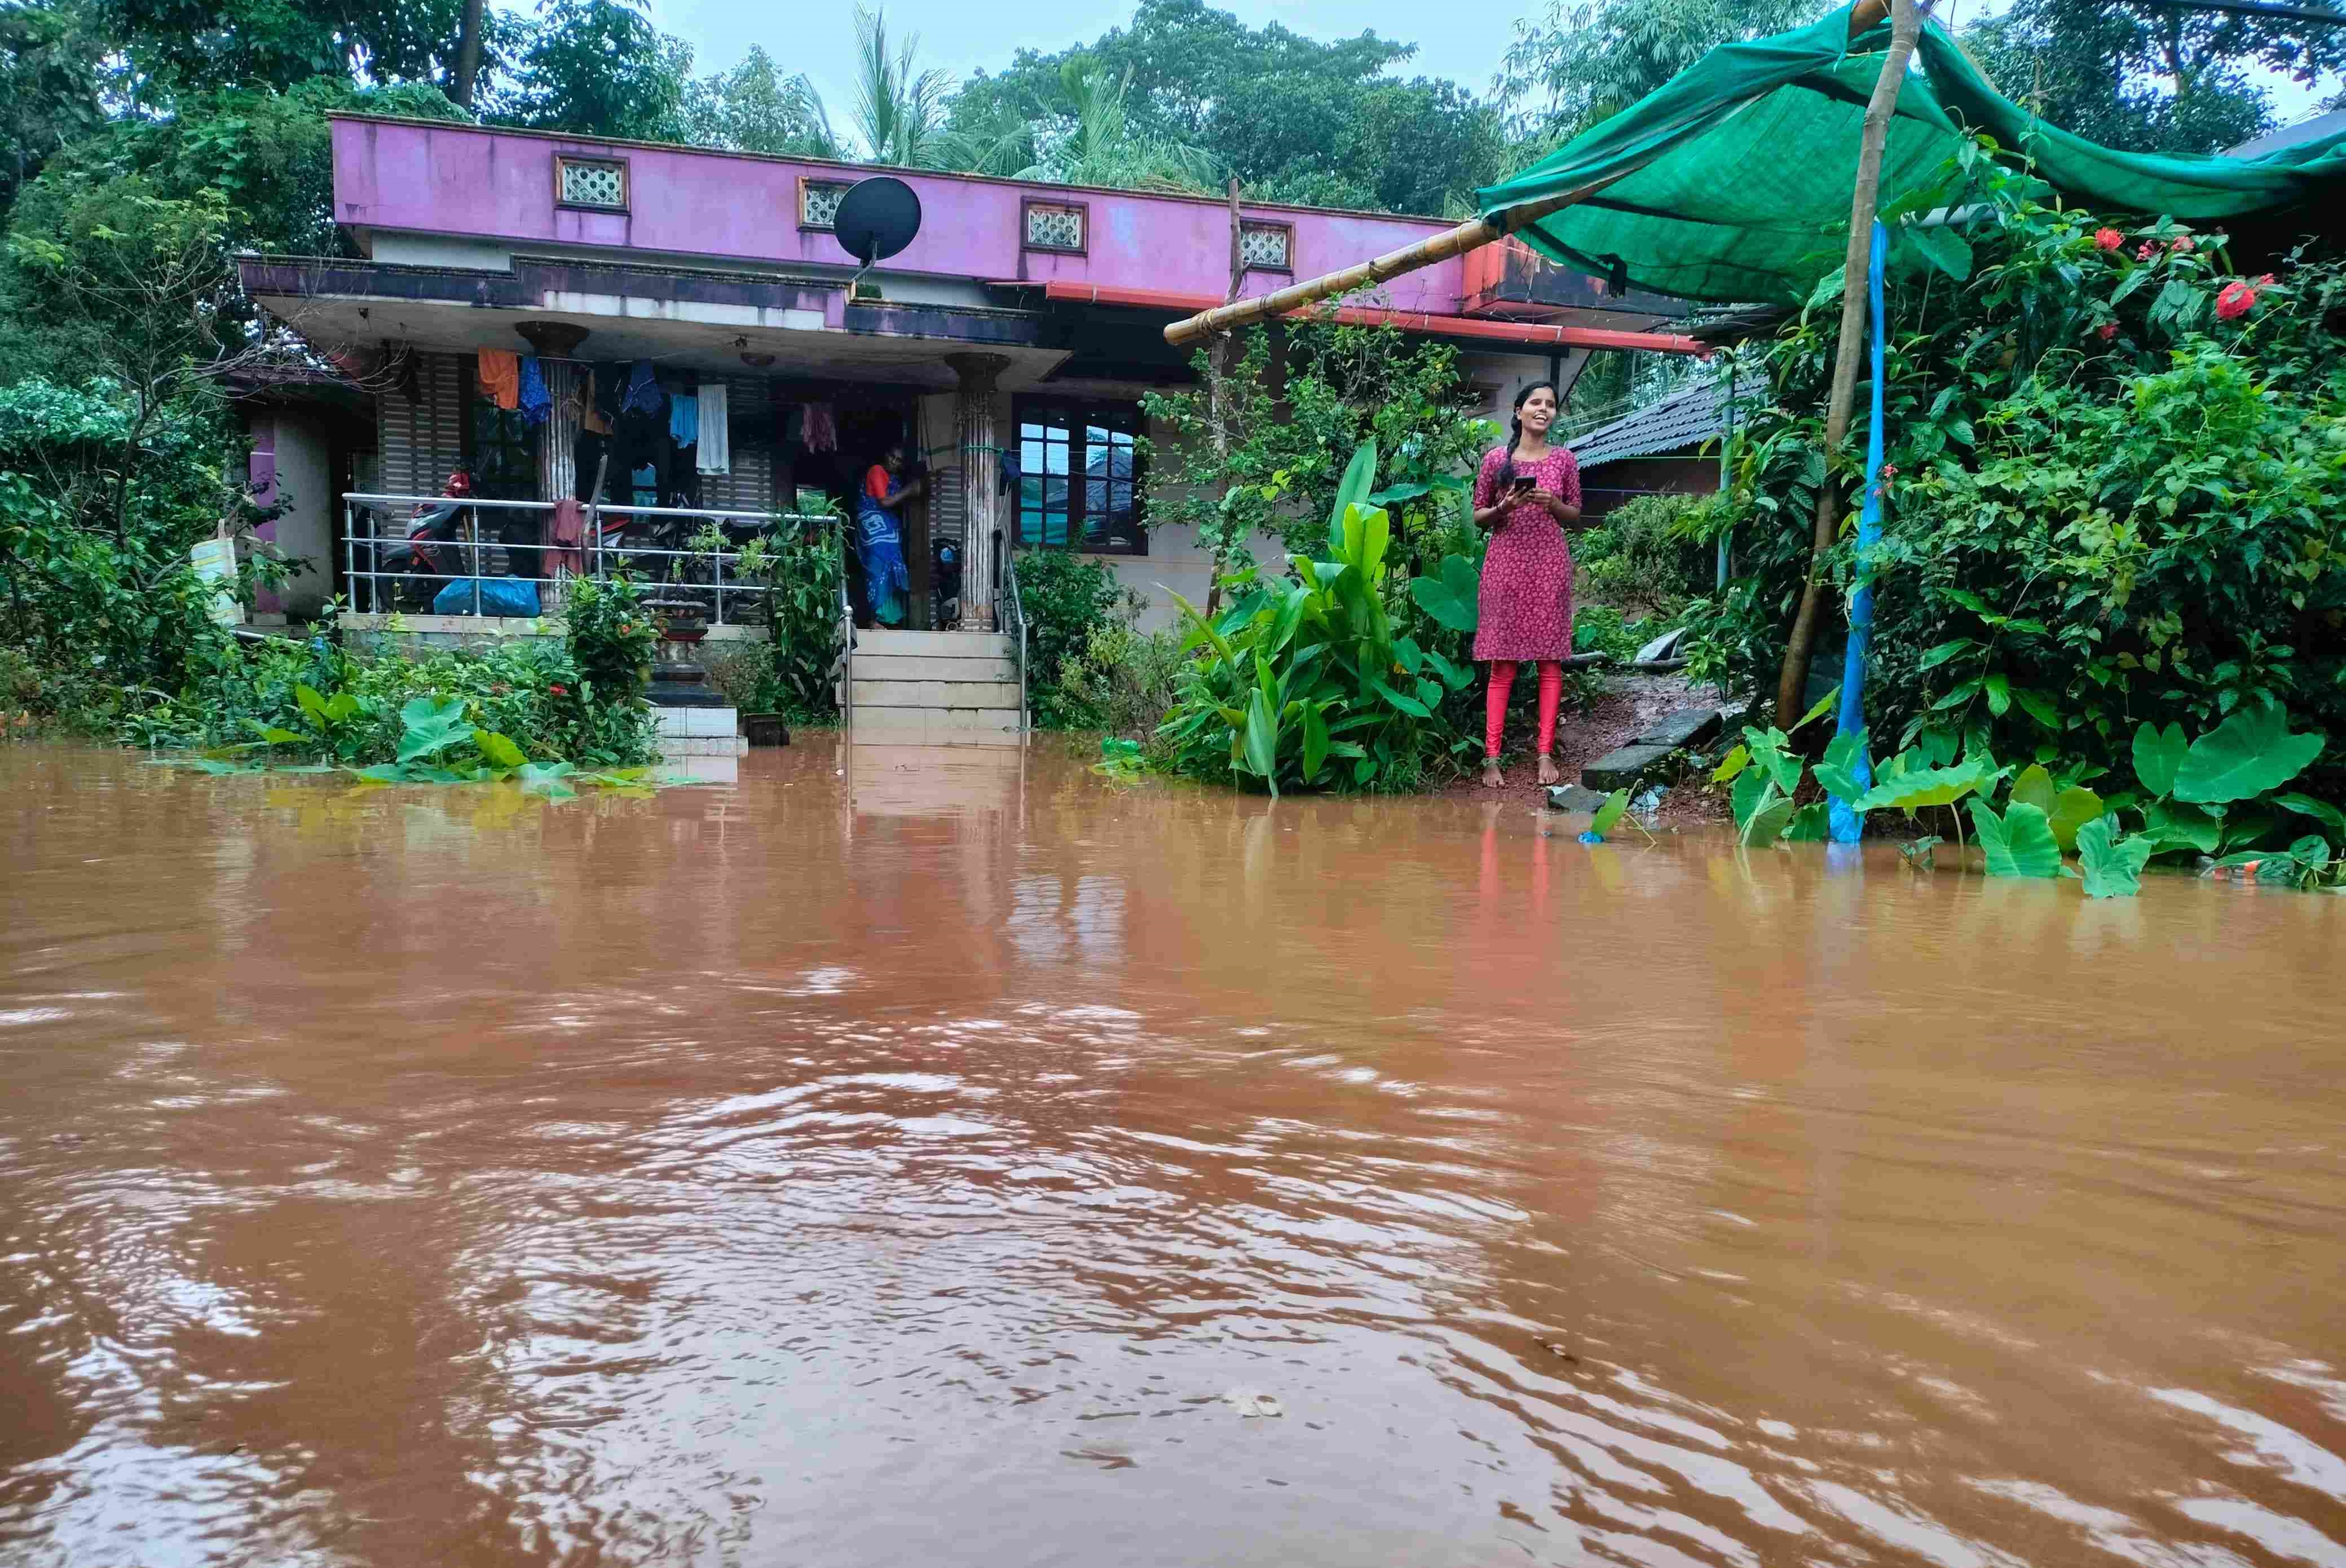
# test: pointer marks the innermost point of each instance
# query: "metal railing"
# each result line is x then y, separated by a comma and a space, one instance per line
385, 567
846, 653
1014, 612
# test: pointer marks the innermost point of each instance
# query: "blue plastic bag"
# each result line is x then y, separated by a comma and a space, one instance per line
499, 596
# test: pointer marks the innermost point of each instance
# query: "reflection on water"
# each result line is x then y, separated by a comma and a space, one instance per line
947, 1159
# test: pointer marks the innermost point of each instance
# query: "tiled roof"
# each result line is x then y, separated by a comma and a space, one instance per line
1684, 419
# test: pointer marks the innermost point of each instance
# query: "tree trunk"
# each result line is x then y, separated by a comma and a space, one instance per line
1792, 683
469, 56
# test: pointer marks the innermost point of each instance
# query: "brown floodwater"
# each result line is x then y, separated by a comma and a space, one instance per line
974, 1160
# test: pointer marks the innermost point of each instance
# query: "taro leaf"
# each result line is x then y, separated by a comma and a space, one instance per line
1812, 824
1428, 692
1768, 824
499, 750
1364, 769
1783, 766
1609, 813
1838, 771
1751, 791
1452, 597
1944, 249
2112, 870
538, 774
2020, 845
1453, 676
432, 727
1392, 492
276, 737
2245, 756
2311, 851
2175, 826
383, 773
311, 702
1262, 738
2157, 755
1920, 786
2321, 811
1408, 705
2075, 806
342, 708
1408, 655
1732, 764
2035, 786
1315, 742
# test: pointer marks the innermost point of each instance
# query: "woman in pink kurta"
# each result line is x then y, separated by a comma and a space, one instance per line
1525, 493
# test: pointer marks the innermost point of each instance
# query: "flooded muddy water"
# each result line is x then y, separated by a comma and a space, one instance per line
978, 1161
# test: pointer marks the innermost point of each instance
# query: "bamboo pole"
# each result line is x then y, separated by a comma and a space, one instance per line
1791, 682
1469, 236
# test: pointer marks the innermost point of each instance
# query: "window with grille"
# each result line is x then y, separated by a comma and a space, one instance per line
592, 182
1270, 246
818, 201
1054, 226
1079, 476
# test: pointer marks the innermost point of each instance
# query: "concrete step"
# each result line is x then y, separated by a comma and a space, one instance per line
696, 723
950, 693
936, 727
935, 644
933, 667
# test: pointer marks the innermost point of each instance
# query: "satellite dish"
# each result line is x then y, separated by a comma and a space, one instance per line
876, 219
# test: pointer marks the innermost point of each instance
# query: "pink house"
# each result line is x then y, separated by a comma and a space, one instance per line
1009, 344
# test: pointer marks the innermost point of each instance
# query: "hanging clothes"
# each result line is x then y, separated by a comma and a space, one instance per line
821, 429
715, 451
565, 538
684, 418
500, 373
590, 414
644, 394
537, 403
586, 454
610, 390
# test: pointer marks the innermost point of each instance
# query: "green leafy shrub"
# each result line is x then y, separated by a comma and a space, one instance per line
609, 637
802, 566
1646, 554
1067, 597
1302, 682
2108, 500
1125, 681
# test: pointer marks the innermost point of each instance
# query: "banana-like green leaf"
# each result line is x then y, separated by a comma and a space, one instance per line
313, 703
2157, 755
1315, 742
1607, 815
1353, 490
1820, 709
2249, 754
1408, 705
2018, 844
2111, 866
1262, 738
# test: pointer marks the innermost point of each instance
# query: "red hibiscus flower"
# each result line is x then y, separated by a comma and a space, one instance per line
2106, 331
559, 690
2107, 239
2237, 300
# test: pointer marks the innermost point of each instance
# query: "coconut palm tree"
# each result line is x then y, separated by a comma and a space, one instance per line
900, 109
1095, 142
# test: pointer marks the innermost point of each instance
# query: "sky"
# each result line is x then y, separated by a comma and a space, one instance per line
965, 35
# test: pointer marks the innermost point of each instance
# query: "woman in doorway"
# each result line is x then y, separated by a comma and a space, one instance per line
880, 532
1526, 492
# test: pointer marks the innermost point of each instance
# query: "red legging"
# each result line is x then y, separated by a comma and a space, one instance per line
1503, 687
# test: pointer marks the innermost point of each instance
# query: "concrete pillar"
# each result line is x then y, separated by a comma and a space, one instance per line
981, 470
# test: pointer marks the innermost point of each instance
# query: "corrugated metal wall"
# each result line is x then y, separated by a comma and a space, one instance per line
423, 440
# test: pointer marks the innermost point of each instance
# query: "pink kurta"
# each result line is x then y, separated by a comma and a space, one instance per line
1526, 599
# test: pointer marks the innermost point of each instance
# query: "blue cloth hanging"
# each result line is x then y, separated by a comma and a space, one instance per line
536, 402
684, 421
644, 394
1848, 825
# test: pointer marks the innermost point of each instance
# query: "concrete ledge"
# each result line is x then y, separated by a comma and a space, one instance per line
696, 723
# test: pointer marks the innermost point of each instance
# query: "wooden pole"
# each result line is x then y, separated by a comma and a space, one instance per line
1226, 353
1468, 236
1791, 682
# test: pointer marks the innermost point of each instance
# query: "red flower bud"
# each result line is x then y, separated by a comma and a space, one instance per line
2237, 300
2183, 242
2106, 331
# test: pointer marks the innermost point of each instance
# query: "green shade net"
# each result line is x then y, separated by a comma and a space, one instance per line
1736, 178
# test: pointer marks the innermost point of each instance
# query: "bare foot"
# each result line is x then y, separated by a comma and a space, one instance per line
1547, 772
1492, 778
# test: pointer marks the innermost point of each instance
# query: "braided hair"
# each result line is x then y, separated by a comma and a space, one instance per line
1515, 429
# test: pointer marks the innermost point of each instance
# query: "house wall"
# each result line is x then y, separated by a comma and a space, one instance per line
421, 440
306, 529
495, 185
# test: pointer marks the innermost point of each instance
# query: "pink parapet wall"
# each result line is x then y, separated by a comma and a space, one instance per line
499, 184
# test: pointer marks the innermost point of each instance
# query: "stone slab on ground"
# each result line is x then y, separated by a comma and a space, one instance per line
1623, 768
1687, 727
1573, 797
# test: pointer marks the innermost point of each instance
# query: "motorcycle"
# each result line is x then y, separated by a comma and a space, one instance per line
945, 580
